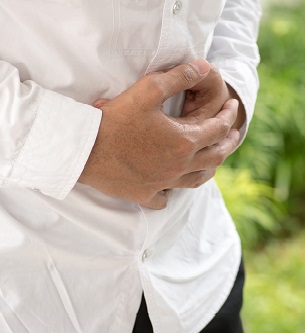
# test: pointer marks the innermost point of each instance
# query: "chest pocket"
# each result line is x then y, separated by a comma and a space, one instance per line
137, 26
201, 20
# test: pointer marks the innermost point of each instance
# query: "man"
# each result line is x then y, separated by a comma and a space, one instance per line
95, 212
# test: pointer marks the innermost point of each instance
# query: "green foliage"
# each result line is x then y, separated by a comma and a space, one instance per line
264, 181
275, 293
250, 203
273, 155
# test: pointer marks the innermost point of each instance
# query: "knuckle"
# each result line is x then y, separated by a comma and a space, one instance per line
204, 176
220, 156
184, 148
210, 174
174, 171
154, 86
221, 128
224, 126
200, 179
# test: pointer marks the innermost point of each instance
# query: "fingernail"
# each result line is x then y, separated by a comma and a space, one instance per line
201, 65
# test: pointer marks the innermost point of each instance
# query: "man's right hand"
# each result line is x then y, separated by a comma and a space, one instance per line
140, 152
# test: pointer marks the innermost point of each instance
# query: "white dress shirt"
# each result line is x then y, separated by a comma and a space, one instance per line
71, 258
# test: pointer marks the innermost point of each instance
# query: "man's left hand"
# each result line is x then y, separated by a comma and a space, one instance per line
208, 96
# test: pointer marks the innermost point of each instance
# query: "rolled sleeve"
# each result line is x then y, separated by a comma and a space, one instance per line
57, 146
234, 51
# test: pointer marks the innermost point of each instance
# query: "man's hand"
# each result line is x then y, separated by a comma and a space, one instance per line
140, 152
208, 96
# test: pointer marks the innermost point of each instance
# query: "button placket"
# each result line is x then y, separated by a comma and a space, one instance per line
167, 37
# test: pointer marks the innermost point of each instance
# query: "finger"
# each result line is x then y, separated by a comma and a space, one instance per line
100, 102
229, 111
195, 179
214, 79
203, 113
174, 81
213, 156
207, 132
205, 103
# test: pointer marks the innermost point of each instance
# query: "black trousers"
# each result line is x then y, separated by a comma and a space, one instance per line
227, 319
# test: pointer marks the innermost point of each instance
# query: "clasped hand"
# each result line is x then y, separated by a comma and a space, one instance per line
140, 153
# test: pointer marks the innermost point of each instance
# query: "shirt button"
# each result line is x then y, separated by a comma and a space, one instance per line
34, 189
145, 255
177, 7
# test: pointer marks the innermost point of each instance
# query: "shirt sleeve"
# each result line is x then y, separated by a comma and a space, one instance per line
45, 138
234, 51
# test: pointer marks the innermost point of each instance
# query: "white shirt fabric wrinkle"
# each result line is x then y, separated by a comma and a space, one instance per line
71, 258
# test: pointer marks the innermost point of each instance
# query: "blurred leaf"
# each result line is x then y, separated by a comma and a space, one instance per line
250, 203
274, 293
273, 152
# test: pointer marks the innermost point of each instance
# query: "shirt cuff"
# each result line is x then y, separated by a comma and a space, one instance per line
58, 146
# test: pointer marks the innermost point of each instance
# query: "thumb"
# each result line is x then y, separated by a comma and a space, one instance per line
181, 78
